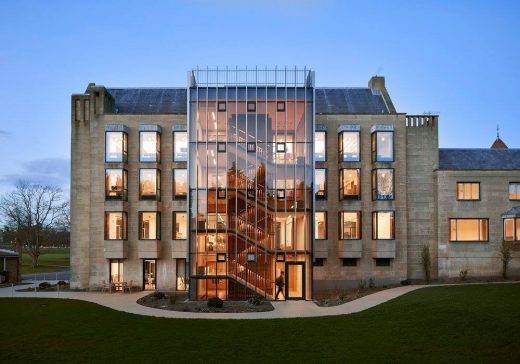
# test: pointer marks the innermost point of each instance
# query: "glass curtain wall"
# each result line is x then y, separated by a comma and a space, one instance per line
248, 144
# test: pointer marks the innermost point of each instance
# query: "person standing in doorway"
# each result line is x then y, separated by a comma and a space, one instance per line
279, 285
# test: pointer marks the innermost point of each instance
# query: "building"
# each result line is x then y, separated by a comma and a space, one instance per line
10, 263
246, 176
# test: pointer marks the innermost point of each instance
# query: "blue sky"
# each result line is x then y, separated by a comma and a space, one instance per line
456, 58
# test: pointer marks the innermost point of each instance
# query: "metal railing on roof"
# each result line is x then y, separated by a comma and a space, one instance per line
250, 77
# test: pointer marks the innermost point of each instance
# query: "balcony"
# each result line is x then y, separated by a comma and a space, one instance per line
116, 249
148, 249
179, 249
350, 248
383, 249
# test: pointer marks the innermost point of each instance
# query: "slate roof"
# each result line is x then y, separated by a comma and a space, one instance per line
173, 100
349, 100
8, 253
479, 159
149, 100
514, 212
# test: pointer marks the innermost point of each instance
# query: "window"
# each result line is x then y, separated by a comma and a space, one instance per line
349, 262
149, 146
383, 146
149, 225
149, 184
180, 146
349, 184
382, 262
318, 262
251, 147
468, 191
221, 147
115, 225
221, 106
320, 146
280, 194
280, 257
383, 225
280, 106
468, 229
180, 225
221, 257
182, 280
180, 183
350, 225
514, 191
116, 143
348, 142
251, 106
320, 177
115, 184
320, 225
280, 147
251, 257
512, 229
383, 184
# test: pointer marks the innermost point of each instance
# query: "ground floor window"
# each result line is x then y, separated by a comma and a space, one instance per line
318, 262
383, 225
512, 229
182, 275
383, 262
349, 262
149, 274
116, 273
468, 229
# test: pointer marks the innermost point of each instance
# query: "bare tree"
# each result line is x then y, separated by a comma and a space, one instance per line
32, 211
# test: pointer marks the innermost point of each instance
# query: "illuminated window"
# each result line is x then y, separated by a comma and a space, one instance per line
251, 106
115, 184
468, 229
115, 226
320, 225
251, 147
514, 191
383, 225
512, 229
320, 146
349, 184
180, 183
280, 106
149, 184
221, 106
350, 225
149, 146
182, 274
468, 191
280, 194
180, 225
116, 143
180, 146
280, 147
383, 184
149, 225
320, 176
383, 146
221, 147
348, 142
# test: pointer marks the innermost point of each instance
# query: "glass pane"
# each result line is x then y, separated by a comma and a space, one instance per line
468, 230
116, 271
467, 191
320, 225
514, 191
509, 230
114, 183
149, 225
180, 146
517, 229
182, 281
180, 228
149, 146
319, 180
350, 228
385, 184
385, 146
115, 226
385, 225
460, 191
148, 183
350, 185
320, 146
180, 183
475, 193
453, 230
295, 283
350, 146
114, 146
149, 274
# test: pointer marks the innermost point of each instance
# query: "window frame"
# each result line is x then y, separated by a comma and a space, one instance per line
340, 224
318, 262
282, 109
516, 224
174, 222
157, 225
249, 145
280, 194
186, 285
282, 150
124, 214
253, 104
325, 151
124, 147
340, 146
518, 193
345, 260
381, 260
221, 147
158, 145
157, 196
124, 196
326, 226
175, 196
220, 108
375, 231
373, 144
174, 159
468, 218
375, 185
324, 196
342, 195
467, 199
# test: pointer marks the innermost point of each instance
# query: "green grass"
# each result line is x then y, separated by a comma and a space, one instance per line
473, 323
51, 260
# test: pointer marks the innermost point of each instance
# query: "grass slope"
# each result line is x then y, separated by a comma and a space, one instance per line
51, 260
477, 323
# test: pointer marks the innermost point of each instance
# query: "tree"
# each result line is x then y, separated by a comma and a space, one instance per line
505, 256
33, 212
426, 261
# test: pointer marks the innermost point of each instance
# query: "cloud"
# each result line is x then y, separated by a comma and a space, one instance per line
4, 132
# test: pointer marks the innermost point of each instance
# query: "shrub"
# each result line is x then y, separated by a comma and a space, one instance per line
44, 285
159, 295
406, 282
371, 283
343, 295
215, 302
426, 261
362, 284
505, 256
463, 274
255, 301
62, 283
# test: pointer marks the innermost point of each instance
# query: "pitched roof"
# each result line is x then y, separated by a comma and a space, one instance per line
479, 159
499, 144
8, 253
149, 100
514, 212
349, 101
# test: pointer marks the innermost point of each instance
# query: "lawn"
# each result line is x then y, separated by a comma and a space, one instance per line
51, 260
474, 323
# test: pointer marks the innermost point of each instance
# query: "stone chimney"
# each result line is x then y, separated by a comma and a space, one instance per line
377, 83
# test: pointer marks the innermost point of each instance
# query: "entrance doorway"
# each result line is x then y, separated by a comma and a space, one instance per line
149, 274
295, 280
116, 273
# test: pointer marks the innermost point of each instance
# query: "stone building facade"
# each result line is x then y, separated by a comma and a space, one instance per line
380, 189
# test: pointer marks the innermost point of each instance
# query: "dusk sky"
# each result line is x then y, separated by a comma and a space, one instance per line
456, 58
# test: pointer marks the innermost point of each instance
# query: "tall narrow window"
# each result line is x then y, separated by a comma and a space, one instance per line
350, 225
468, 191
182, 275
149, 184
468, 229
348, 143
349, 184
320, 225
149, 146
320, 176
116, 146
514, 191
383, 146
179, 225
180, 183
383, 225
115, 226
180, 146
383, 184
149, 225
115, 184
320, 146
